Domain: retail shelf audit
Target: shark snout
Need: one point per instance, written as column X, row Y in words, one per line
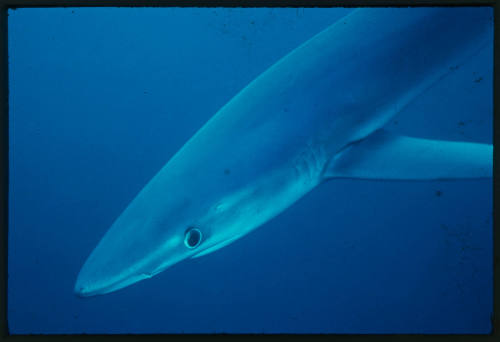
column 144, row 240
column 84, row 288
column 82, row 291
column 92, row 280
column 125, row 256
column 89, row 282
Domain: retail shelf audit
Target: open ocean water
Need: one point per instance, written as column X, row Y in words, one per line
column 100, row 99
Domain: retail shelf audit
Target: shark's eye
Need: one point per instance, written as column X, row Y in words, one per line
column 192, row 238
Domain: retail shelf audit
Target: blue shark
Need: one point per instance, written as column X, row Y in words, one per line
column 315, row 115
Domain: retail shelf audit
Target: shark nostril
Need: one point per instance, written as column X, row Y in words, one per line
column 80, row 291
column 192, row 237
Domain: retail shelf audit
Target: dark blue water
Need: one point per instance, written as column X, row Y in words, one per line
column 100, row 99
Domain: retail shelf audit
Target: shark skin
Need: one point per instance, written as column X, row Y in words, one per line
column 316, row 114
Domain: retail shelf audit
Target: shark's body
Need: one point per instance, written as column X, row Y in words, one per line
column 314, row 115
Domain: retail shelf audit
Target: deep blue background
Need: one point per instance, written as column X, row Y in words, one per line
column 100, row 99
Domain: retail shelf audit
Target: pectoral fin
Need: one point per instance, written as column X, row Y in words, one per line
column 386, row 156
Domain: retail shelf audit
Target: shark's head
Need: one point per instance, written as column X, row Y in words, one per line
column 161, row 228
column 140, row 245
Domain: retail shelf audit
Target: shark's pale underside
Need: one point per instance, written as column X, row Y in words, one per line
column 316, row 114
